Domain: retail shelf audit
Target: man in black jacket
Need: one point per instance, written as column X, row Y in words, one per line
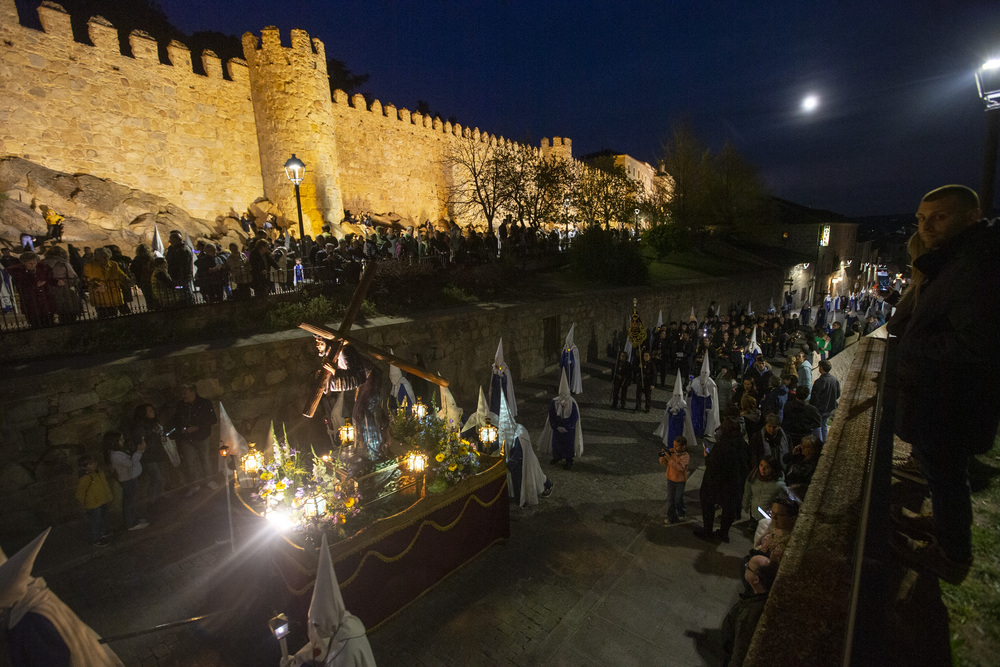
column 953, row 331
column 192, row 429
column 801, row 418
column 825, row 395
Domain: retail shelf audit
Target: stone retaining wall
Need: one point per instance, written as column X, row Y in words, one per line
column 58, row 408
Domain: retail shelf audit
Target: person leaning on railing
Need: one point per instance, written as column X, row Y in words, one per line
column 32, row 280
column 105, row 279
column 63, row 288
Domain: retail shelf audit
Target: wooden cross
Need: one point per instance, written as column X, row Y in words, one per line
column 340, row 339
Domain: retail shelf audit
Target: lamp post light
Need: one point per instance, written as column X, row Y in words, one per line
column 566, row 219
column 988, row 84
column 295, row 170
column 637, row 220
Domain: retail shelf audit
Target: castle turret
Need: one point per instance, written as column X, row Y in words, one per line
column 561, row 148
column 292, row 107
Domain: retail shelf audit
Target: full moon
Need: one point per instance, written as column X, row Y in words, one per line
column 810, row 103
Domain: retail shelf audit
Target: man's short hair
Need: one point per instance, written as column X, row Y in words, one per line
column 802, row 393
column 805, row 350
column 766, row 574
column 772, row 420
column 966, row 197
column 826, row 366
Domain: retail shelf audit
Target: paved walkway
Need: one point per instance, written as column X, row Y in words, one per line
column 590, row 576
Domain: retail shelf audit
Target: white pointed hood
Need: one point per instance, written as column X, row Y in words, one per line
column 753, row 346
column 706, row 369
column 659, row 320
column 478, row 418
column 770, row 308
column 15, row 573
column 450, row 412
column 677, row 401
column 569, row 337
column 507, row 428
column 749, row 308
column 693, row 318
column 563, row 396
column 327, row 610
column 498, row 357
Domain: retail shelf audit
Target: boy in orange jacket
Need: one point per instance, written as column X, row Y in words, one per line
column 676, row 460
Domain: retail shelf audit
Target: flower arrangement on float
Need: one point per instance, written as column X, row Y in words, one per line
column 299, row 496
column 449, row 457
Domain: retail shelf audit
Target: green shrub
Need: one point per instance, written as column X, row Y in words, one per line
column 667, row 238
column 597, row 255
column 318, row 310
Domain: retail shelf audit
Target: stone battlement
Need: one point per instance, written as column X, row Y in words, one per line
column 215, row 142
column 103, row 35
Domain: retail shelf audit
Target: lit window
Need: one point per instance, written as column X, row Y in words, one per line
column 825, row 239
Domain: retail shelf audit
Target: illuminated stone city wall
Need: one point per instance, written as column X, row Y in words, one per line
column 214, row 143
column 160, row 128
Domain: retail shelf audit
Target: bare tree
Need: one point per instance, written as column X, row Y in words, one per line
column 479, row 186
column 537, row 186
column 605, row 196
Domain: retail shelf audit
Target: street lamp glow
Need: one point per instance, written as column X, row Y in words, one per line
column 992, row 63
column 810, row 103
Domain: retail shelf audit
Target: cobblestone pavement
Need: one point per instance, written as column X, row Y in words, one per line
column 590, row 576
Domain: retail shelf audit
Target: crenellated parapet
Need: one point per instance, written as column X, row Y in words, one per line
column 290, row 91
column 214, row 136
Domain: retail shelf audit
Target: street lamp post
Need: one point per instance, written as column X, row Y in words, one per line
column 566, row 204
column 988, row 83
column 295, row 169
column 637, row 220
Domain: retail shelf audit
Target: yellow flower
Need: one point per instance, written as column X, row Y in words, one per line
column 440, row 457
column 463, row 451
column 349, row 503
column 280, row 486
column 265, row 476
column 452, row 466
column 339, row 518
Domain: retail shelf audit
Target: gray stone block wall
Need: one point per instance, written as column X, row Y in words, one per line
column 54, row 406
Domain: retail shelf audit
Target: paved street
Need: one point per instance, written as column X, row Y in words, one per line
column 590, row 576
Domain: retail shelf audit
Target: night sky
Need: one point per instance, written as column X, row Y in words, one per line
column 899, row 113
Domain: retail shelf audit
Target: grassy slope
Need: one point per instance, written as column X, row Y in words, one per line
column 974, row 607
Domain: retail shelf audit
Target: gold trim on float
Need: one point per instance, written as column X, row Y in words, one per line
column 390, row 559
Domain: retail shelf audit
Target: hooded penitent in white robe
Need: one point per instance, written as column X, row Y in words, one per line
column 336, row 637
column 501, row 384
column 525, row 479
column 569, row 362
column 676, row 418
column 450, row 413
column 752, row 350
column 37, row 620
column 703, row 397
column 562, row 436
column 401, row 394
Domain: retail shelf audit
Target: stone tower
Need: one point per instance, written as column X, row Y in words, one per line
column 290, row 90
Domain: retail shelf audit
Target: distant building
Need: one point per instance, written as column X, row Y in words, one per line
column 642, row 173
column 829, row 239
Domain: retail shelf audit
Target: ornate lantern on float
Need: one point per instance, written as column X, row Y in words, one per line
column 252, row 462
column 416, row 462
column 314, row 505
column 420, row 410
column 346, row 433
column 488, row 434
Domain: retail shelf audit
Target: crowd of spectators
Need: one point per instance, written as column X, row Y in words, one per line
column 760, row 460
column 48, row 283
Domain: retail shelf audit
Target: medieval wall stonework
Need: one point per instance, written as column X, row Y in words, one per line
column 160, row 128
column 213, row 143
